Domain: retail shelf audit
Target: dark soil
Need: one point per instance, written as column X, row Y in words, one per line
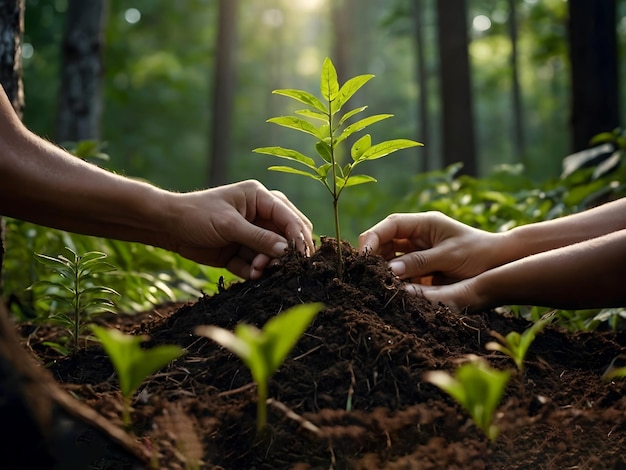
column 369, row 347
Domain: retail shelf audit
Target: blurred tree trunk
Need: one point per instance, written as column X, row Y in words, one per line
column 11, row 30
column 418, row 10
column 80, row 96
column 519, row 146
column 593, row 56
column 223, row 92
column 456, row 89
column 342, row 15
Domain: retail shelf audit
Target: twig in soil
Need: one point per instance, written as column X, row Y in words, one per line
column 472, row 328
column 289, row 413
column 234, row 391
column 310, row 351
column 391, row 298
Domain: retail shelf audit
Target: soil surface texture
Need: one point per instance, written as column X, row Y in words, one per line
column 351, row 394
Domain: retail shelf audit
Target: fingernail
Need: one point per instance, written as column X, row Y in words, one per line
column 280, row 248
column 397, row 267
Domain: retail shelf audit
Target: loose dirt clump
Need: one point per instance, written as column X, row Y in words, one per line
column 351, row 393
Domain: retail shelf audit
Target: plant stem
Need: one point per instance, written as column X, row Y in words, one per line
column 335, row 193
column 76, row 303
column 338, row 237
column 261, row 405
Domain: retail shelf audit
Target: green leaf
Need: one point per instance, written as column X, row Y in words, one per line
column 360, row 146
column 303, row 97
column 298, row 124
column 477, row 387
column 312, row 114
column 329, row 86
column 349, row 114
column 324, row 169
column 324, row 151
column 289, row 154
column 360, row 125
column 350, row 88
column 285, row 329
column 354, row 180
column 385, row 148
column 133, row 363
column 293, row 171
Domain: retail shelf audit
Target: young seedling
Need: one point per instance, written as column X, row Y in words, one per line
column 516, row 345
column 263, row 351
column 77, row 288
column 131, row 362
column 329, row 130
column 477, row 387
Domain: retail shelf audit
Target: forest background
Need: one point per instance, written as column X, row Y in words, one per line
column 161, row 119
column 499, row 91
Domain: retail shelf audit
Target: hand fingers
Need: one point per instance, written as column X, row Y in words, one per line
column 412, row 227
column 307, row 234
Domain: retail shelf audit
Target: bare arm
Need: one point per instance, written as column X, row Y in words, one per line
column 589, row 274
column 239, row 226
column 423, row 244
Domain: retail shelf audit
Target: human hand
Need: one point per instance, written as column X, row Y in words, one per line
column 240, row 226
column 431, row 245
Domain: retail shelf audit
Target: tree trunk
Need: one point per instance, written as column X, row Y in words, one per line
column 422, row 82
column 223, row 92
column 343, row 33
column 11, row 30
column 593, row 55
column 80, row 96
column 456, row 90
column 519, row 148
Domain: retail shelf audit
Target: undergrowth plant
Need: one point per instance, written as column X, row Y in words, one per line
column 76, row 290
column 477, row 387
column 516, row 345
column 323, row 121
column 264, row 350
column 132, row 363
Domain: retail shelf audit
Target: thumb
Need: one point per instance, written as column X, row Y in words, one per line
column 417, row 264
column 260, row 240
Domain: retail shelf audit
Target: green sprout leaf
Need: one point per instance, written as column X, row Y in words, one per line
column 350, row 88
column 515, row 345
column 385, row 148
column 288, row 154
column 131, row 362
column 477, row 387
column 329, row 86
column 263, row 351
column 304, row 97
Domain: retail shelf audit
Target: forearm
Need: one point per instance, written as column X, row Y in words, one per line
column 77, row 196
column 589, row 274
column 543, row 236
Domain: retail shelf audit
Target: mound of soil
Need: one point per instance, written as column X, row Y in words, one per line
column 351, row 394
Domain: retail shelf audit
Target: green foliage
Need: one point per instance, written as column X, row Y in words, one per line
column 515, row 345
column 263, row 351
column 132, row 363
column 330, row 129
column 477, row 387
column 146, row 275
column 76, row 288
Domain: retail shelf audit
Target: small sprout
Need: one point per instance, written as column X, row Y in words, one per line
column 323, row 122
column 263, row 351
column 77, row 288
column 515, row 345
column 132, row 363
column 616, row 369
column 477, row 387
